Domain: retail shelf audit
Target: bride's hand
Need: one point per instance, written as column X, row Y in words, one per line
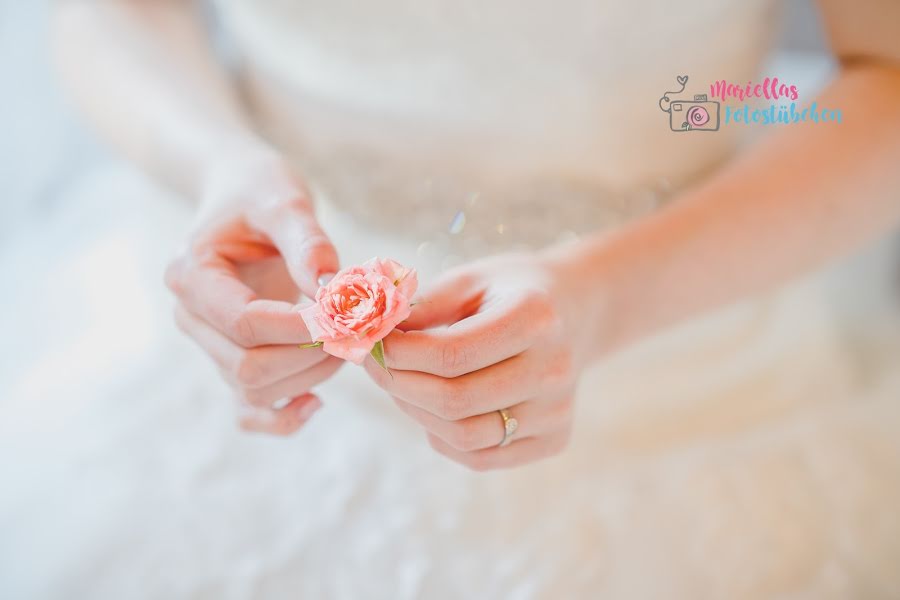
column 256, row 245
column 516, row 340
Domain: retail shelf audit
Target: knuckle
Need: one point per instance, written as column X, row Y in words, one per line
column 253, row 397
column 298, row 203
column 453, row 401
column 315, row 244
column 250, row 370
column 240, row 329
column 452, row 359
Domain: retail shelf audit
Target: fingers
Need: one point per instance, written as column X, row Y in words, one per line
column 210, row 289
column 265, row 376
column 453, row 399
column 451, row 299
column 296, row 233
column 499, row 331
column 283, row 421
column 253, row 367
column 534, row 417
column 504, row 384
column 267, row 396
column 515, row 454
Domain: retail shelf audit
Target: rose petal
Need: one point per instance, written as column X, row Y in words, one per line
column 349, row 349
column 409, row 284
column 360, row 306
column 310, row 316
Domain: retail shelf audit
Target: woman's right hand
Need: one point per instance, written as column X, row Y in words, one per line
column 256, row 246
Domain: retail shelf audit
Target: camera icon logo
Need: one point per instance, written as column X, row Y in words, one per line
column 699, row 114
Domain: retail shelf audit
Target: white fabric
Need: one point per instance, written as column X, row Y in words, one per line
column 749, row 454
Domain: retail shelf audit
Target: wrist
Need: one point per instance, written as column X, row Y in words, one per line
column 251, row 173
column 600, row 289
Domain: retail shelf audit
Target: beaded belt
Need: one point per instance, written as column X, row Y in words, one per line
column 466, row 216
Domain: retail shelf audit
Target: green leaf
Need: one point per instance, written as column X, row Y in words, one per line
column 311, row 345
column 378, row 354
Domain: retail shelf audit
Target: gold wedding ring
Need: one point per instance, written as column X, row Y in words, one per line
column 510, row 424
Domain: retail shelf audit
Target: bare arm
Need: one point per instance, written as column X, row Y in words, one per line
column 145, row 75
column 805, row 194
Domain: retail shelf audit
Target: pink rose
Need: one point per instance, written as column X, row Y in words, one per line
column 359, row 307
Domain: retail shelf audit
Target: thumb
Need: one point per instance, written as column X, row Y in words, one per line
column 450, row 299
column 308, row 253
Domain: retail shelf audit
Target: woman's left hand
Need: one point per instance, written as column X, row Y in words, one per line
column 513, row 340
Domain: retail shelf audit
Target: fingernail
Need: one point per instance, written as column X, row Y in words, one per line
column 324, row 278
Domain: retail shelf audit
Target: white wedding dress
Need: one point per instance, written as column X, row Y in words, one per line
column 753, row 453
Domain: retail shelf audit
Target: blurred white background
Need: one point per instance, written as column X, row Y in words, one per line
column 83, row 302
